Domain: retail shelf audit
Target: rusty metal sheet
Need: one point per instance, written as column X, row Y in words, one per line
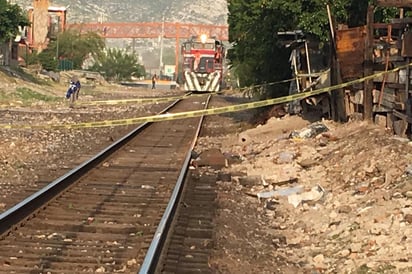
column 350, row 46
column 394, row 3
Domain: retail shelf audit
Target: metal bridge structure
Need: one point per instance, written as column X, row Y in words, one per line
column 168, row 30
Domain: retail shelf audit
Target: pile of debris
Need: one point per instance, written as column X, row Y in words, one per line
column 333, row 198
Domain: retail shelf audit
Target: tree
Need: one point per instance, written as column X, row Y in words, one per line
column 74, row 46
column 119, row 65
column 257, row 56
column 11, row 17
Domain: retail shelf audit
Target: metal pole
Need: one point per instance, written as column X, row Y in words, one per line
column 308, row 64
column 332, row 31
column 161, row 46
column 295, row 68
column 177, row 51
column 57, row 51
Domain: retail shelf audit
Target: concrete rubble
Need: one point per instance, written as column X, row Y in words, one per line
column 337, row 200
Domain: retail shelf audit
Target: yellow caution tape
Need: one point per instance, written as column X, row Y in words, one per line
column 197, row 113
column 269, row 84
column 164, row 99
column 134, row 100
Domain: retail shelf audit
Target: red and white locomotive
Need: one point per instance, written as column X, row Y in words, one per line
column 203, row 64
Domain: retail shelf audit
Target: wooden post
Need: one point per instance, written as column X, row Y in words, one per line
column 338, row 108
column 368, row 69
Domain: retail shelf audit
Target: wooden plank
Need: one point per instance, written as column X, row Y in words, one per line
column 387, row 104
column 350, row 45
column 385, row 96
column 381, row 108
column 394, row 3
column 395, row 25
column 395, row 85
column 399, row 106
column 391, row 77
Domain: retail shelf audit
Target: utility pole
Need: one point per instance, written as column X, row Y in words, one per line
column 161, row 46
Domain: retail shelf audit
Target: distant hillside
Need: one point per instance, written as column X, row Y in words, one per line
column 187, row 11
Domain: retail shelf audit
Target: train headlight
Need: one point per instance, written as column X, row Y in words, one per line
column 203, row 38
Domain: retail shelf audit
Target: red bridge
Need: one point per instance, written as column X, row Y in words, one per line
column 37, row 39
column 152, row 30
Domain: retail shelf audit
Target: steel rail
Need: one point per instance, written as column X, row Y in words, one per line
column 152, row 256
column 27, row 208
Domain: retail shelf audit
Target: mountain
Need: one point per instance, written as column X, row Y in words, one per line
column 185, row 11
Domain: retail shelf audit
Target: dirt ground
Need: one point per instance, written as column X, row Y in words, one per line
column 302, row 197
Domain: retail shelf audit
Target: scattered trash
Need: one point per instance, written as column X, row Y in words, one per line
column 147, row 187
column 264, row 183
column 362, row 210
column 279, row 192
column 408, row 170
column 286, row 157
column 315, row 194
column 310, row 131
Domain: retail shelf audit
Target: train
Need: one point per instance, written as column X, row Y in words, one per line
column 203, row 64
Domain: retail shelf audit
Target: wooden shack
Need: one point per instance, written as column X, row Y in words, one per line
column 377, row 49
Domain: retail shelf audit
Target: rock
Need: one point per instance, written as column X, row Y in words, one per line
column 279, row 240
column 344, row 209
column 213, row 158
column 355, row 247
column 306, row 163
column 101, row 270
column 319, row 262
column 131, row 262
column 333, row 215
column 408, row 218
column 233, row 159
column 271, row 204
column 286, row 157
column 323, row 142
column 252, row 180
column 344, row 253
column 224, row 177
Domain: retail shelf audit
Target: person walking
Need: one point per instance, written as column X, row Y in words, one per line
column 78, row 87
column 154, row 79
column 73, row 92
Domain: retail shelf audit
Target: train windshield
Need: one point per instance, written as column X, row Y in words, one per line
column 203, row 45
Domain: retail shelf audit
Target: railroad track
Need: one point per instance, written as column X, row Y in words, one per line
column 103, row 215
column 191, row 237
